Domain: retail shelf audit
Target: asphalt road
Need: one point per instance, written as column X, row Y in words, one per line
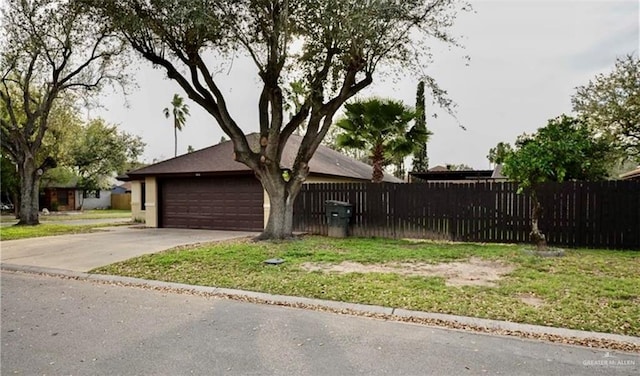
column 57, row 326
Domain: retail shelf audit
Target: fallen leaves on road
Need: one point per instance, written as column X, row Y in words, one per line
column 554, row 338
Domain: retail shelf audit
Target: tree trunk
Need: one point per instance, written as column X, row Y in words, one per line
column 29, row 192
column 536, row 235
column 281, row 198
column 377, row 158
column 16, row 205
column 400, row 171
column 175, row 141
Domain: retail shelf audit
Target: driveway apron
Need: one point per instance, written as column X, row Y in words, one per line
column 83, row 252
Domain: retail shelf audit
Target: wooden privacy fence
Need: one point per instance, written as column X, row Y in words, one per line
column 121, row 201
column 580, row 214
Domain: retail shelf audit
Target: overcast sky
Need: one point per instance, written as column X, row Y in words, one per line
column 527, row 57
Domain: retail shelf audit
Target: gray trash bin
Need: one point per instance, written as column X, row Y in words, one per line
column 338, row 217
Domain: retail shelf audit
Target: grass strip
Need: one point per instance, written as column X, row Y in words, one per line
column 46, row 229
column 595, row 290
column 87, row 214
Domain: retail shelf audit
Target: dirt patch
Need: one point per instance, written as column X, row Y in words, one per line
column 473, row 272
column 531, row 300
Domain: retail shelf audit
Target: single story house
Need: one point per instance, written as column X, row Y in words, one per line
column 57, row 197
column 67, row 197
column 208, row 189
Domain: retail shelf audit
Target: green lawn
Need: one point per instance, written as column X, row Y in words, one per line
column 87, row 214
column 596, row 290
column 46, row 229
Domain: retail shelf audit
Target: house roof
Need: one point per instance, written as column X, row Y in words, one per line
column 438, row 168
column 218, row 159
column 442, row 173
column 126, row 186
column 497, row 172
column 631, row 175
column 454, row 175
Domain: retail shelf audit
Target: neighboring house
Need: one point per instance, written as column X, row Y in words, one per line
column 94, row 199
column 207, row 189
column 441, row 174
column 631, row 175
column 60, row 197
column 122, row 188
column 438, row 168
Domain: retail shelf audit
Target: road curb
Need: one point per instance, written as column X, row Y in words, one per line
column 568, row 336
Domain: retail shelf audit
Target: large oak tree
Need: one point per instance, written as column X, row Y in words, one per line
column 332, row 47
column 49, row 50
column 610, row 104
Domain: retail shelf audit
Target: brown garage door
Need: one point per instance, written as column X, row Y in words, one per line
column 221, row 203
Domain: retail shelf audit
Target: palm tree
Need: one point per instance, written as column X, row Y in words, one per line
column 380, row 126
column 180, row 111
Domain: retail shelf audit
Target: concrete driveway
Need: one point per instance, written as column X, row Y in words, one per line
column 84, row 252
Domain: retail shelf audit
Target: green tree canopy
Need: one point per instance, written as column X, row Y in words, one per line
column 60, row 176
column 497, row 155
column 420, row 156
column 565, row 149
column 64, row 125
column 610, row 104
column 9, row 181
column 380, row 126
column 48, row 49
column 101, row 151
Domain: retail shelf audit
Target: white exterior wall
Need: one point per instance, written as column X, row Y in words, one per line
column 137, row 214
column 150, row 214
column 104, row 202
column 151, row 195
